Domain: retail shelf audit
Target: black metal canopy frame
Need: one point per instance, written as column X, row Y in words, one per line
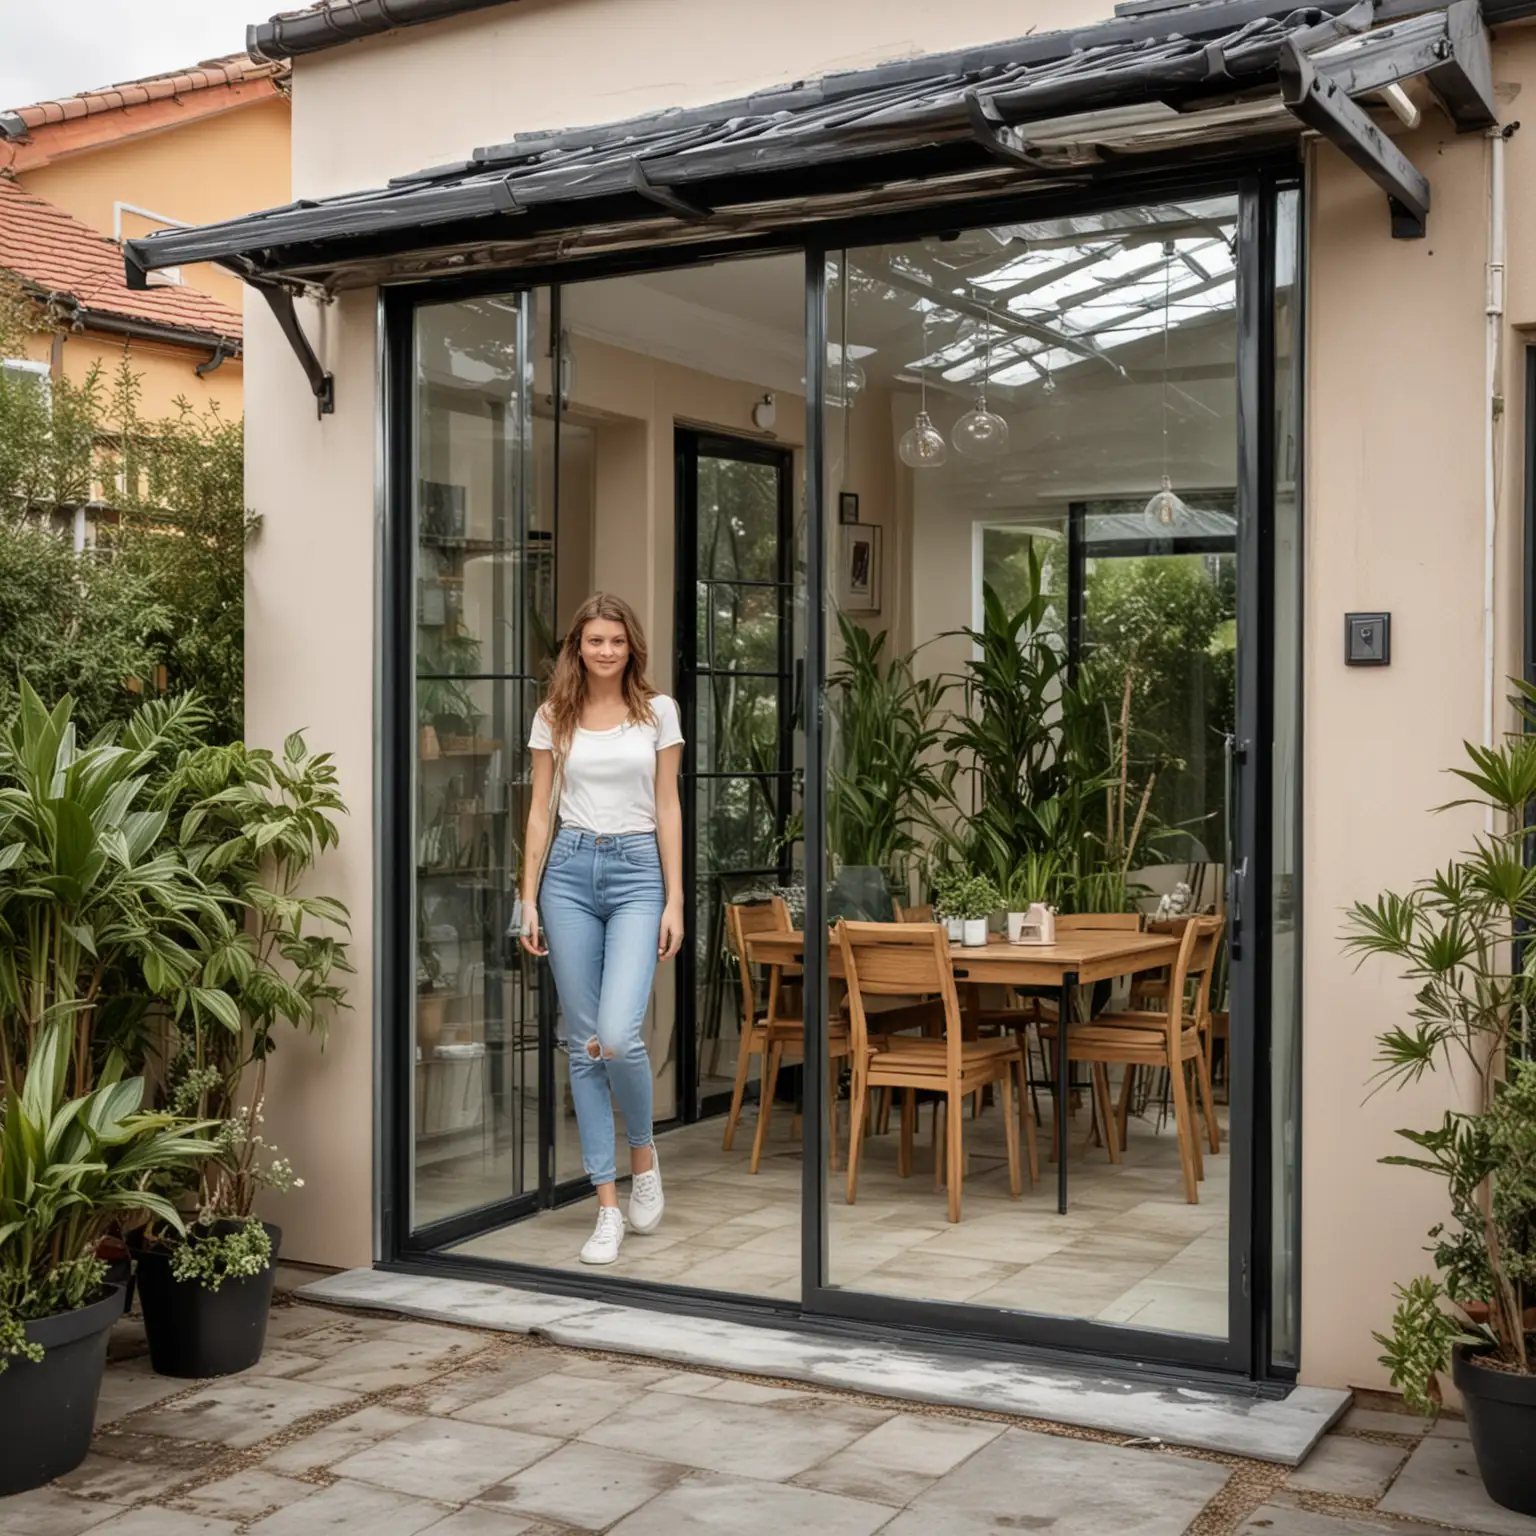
column 1055, row 110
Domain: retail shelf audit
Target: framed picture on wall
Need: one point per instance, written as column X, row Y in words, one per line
column 847, row 506
column 860, row 568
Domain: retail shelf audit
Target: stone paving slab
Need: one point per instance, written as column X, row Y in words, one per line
column 1283, row 1520
column 1067, row 1487
column 1236, row 1422
column 452, row 1444
column 1350, row 1468
column 1440, row 1483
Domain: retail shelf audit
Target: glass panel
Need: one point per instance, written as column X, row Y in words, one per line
column 738, row 520
column 474, row 1041
column 739, row 626
column 1285, row 913
column 1031, row 684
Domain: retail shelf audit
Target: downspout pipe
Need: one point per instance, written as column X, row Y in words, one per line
column 1493, row 410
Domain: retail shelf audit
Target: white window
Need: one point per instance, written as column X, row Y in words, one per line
column 22, row 367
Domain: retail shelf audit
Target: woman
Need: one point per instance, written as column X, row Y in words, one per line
column 606, row 750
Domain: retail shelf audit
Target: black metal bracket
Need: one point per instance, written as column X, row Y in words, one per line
column 987, row 129
column 1323, row 105
column 280, row 302
column 665, row 197
column 1448, row 49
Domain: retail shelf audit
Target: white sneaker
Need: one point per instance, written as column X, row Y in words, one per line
column 646, row 1201
column 603, row 1246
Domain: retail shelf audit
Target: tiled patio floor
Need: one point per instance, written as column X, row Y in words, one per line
column 1130, row 1250
column 362, row 1425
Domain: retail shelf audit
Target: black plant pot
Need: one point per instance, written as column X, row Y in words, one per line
column 193, row 1331
column 48, row 1407
column 1501, row 1415
column 120, row 1272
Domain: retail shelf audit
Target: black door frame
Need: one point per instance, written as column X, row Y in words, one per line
column 1243, row 1355
column 690, row 444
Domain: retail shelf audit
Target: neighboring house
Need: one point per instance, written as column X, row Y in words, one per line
column 187, row 147
column 725, row 354
column 183, row 341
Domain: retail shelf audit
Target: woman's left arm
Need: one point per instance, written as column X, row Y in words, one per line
column 669, row 839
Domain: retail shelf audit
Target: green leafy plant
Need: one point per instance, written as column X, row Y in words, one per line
column 71, row 1169
column 887, row 775
column 974, row 899
column 155, row 604
column 1454, row 935
column 1038, row 877
column 252, row 824
column 100, row 915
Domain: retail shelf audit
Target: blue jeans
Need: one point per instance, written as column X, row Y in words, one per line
column 600, row 907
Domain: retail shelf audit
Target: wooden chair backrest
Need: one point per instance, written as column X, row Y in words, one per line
column 898, row 960
column 920, row 914
column 743, row 919
column 1203, row 960
column 1178, row 977
column 1079, row 922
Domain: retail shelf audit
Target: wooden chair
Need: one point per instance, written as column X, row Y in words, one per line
column 919, row 914
column 770, row 1033
column 902, row 960
column 1149, row 994
column 1169, row 1040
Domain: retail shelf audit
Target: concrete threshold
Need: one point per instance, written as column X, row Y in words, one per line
column 1203, row 1417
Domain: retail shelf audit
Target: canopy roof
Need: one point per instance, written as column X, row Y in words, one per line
column 1047, row 111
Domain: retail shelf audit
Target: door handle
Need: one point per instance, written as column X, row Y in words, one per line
column 1237, row 869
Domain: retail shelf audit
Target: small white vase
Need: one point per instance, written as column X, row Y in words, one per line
column 1015, row 923
column 975, row 935
column 955, row 929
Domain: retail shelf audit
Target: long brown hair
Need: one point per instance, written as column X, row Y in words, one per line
column 568, row 683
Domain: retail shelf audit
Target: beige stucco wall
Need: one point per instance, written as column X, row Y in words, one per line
column 478, row 79
column 1393, row 520
column 309, row 660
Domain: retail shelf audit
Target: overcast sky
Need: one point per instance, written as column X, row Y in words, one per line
column 77, row 45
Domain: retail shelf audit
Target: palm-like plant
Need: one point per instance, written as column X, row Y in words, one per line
column 71, row 1168
column 1455, row 936
column 93, row 902
column 887, row 775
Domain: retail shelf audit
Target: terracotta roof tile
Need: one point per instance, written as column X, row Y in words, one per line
column 53, row 252
column 237, row 69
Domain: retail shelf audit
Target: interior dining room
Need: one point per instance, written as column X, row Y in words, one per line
column 997, row 706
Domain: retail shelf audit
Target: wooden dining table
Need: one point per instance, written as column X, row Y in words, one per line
column 1076, row 959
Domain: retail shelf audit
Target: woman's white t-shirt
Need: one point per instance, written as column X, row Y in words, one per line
column 609, row 782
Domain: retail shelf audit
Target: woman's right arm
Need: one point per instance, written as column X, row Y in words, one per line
column 535, row 841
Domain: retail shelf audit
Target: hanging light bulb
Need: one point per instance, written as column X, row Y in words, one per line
column 1048, row 387
column 922, row 444
column 1166, row 511
column 980, row 433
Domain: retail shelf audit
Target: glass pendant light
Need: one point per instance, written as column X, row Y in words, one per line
column 922, row 444
column 845, row 378
column 1166, row 511
column 980, row 433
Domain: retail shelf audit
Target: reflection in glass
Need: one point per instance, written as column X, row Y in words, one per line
column 480, row 573
column 1052, row 681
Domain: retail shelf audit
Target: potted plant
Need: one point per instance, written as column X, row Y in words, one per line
column 253, row 824
column 974, row 903
column 1453, row 934
column 1031, row 898
column 946, row 894
column 884, row 779
column 70, row 1168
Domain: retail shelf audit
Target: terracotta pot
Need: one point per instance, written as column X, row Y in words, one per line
column 428, row 747
column 1478, row 1312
